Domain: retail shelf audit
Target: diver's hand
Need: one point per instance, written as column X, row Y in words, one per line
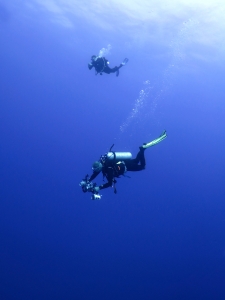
column 96, row 189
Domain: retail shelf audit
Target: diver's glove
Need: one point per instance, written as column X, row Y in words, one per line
column 90, row 66
column 96, row 189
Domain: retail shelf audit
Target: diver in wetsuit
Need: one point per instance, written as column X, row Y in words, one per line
column 101, row 65
column 115, row 164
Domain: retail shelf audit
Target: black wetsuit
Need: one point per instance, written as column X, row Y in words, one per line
column 101, row 65
column 112, row 170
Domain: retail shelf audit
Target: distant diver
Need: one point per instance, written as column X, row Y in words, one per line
column 101, row 65
column 113, row 165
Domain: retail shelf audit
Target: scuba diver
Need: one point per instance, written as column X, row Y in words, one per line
column 101, row 65
column 113, row 165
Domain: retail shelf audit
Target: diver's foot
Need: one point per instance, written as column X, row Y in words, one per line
column 154, row 142
column 142, row 148
column 163, row 134
column 125, row 61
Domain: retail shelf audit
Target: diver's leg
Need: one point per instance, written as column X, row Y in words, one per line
column 134, row 167
column 109, row 70
column 141, row 157
column 133, row 164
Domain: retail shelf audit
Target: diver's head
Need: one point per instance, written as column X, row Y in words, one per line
column 97, row 166
column 93, row 58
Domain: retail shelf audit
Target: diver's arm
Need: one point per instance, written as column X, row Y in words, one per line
column 90, row 66
column 109, row 178
column 93, row 176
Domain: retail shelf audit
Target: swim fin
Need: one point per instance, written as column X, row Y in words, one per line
column 125, row 61
column 156, row 141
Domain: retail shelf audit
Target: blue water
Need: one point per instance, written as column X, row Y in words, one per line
column 162, row 235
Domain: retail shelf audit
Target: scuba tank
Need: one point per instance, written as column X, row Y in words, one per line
column 117, row 156
column 114, row 157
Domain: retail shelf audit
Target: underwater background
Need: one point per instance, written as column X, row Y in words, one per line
column 162, row 236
